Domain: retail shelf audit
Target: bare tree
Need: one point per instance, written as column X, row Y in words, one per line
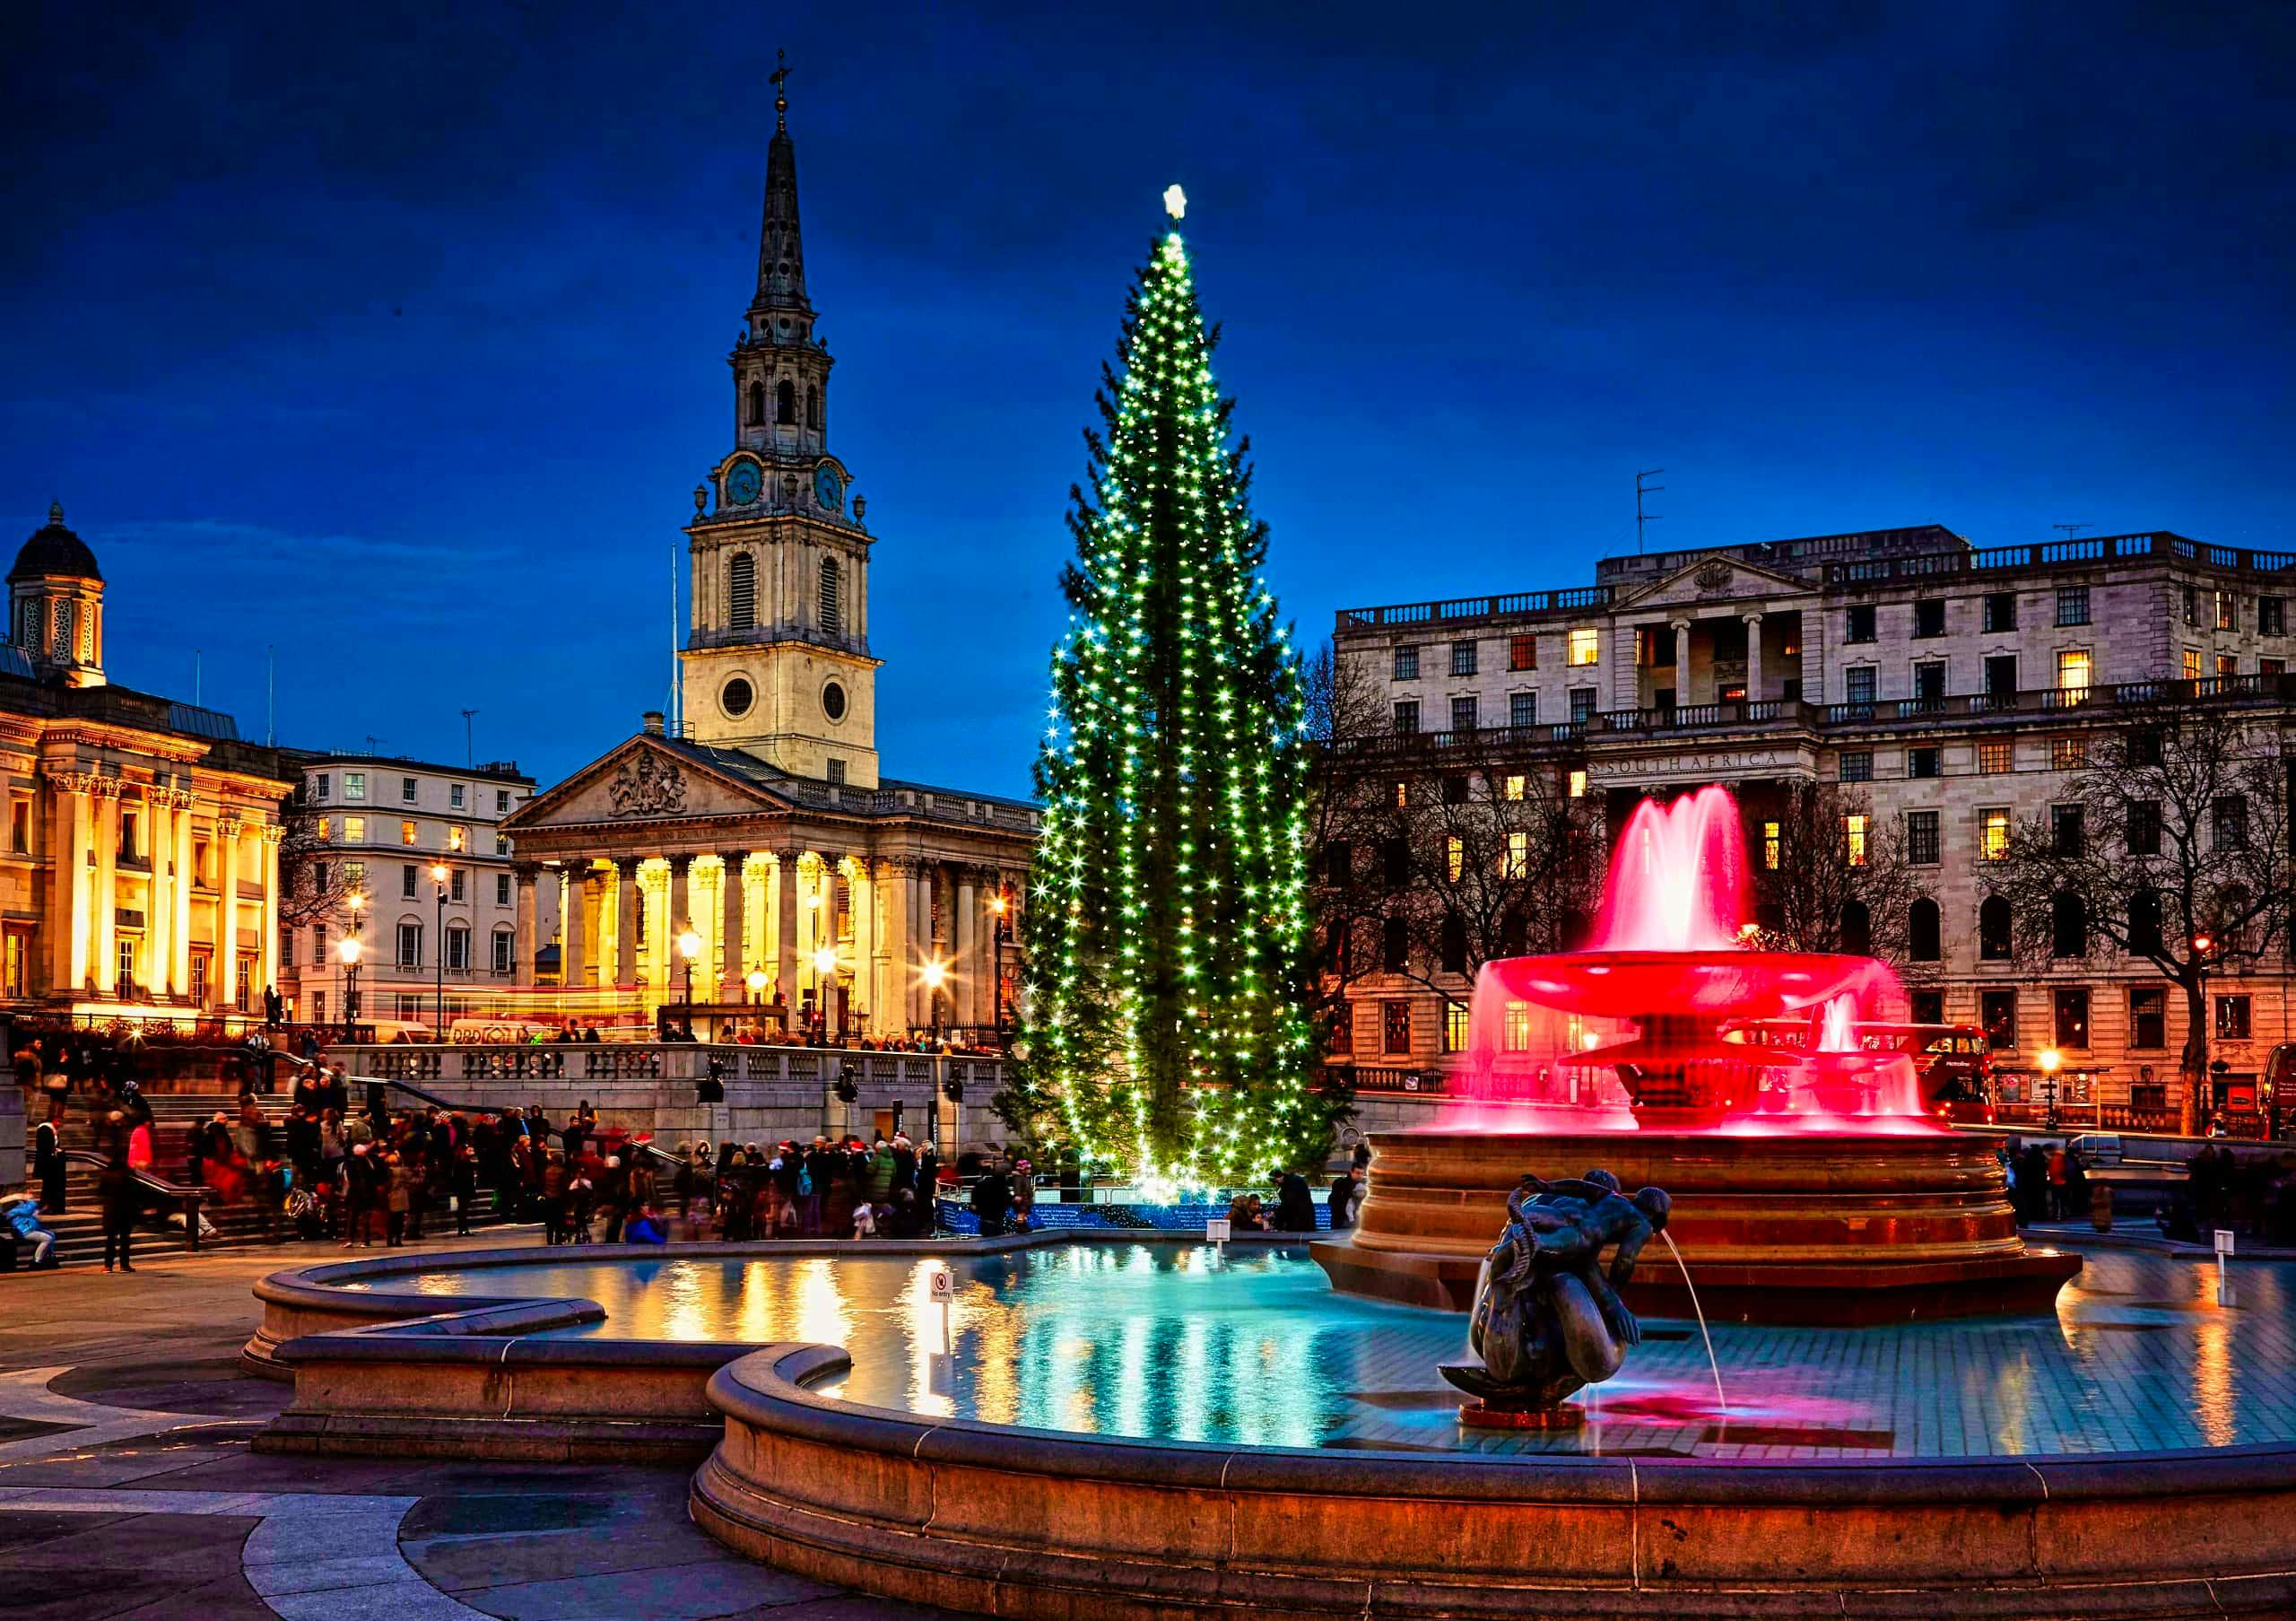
column 314, row 880
column 1835, row 876
column 2171, row 843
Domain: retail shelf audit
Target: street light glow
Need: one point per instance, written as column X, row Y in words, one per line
column 825, row 960
column 756, row 981
column 689, row 946
column 935, row 975
column 2048, row 1058
column 438, row 872
column 347, row 948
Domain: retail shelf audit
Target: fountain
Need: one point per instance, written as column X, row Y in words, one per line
column 1764, row 1090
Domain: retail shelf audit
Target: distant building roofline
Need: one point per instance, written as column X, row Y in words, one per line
column 492, row 771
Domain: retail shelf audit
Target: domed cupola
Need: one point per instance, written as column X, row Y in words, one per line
column 55, row 594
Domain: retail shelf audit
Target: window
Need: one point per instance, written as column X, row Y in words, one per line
column 455, row 885
column 1929, row 681
column 2231, row 1014
column 2229, row 820
column 355, row 876
column 502, row 890
column 457, row 948
column 1857, row 765
column 2071, row 605
column 503, row 949
column 1394, row 1028
column 813, row 406
column 785, row 403
column 1582, row 705
column 2073, row 673
column 1395, row 863
column 1522, row 708
column 2226, row 666
column 1993, row 834
column 1853, row 837
column 501, row 801
column 407, row 880
column 1861, row 684
column 2143, row 922
column 1996, row 1014
column 1515, row 789
column 410, row 944
column 200, row 960
column 1921, row 838
column 1924, row 933
column 354, row 830
column 319, row 943
column 454, row 796
column 2068, row 830
column 2143, row 837
column 1455, row 1027
column 2145, row 747
column 2148, row 1019
column 2001, row 679
column 1455, row 858
column 2068, row 753
column 2191, row 665
column 407, row 789
column 1861, row 622
column 1451, row 943
column 1457, row 789
column 1773, row 845
column 2271, row 616
column 1928, row 1007
column 326, row 829
column 2272, row 666
column 836, row 769
column 2068, row 926
column 2001, row 610
column 1929, row 616
column 354, row 785
column 1995, row 757
column 2228, row 611
column 1463, row 714
column 457, row 838
column 1518, row 856
column 2192, row 606
column 2072, row 1020
column 741, row 592
column 1463, row 658
column 1924, row 763
column 408, row 833
column 756, row 399
column 1406, row 664
column 1576, row 784
column 1406, row 717
column 1522, row 652
column 1394, row 946
column 1586, row 645
column 323, row 781
column 319, row 877
column 1857, row 929
column 833, row 597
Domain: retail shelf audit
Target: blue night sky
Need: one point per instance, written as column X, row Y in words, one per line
column 395, row 336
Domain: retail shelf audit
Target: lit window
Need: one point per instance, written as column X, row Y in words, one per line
column 2192, row 663
column 1403, row 796
column 1455, row 1027
column 406, row 832
column 1995, row 757
column 1773, row 845
column 457, row 838
column 2068, row 753
column 2226, row 665
column 1993, row 834
column 1523, row 653
column 354, row 830
column 2073, row 671
column 1518, row 1035
column 1853, row 835
column 1455, row 856
column 354, row 785
column 2228, row 611
column 1578, row 785
column 327, row 829
column 1585, row 645
column 1515, row 788
column 1518, row 855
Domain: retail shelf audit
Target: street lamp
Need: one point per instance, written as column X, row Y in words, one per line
column 439, row 878
column 935, row 975
column 756, row 982
column 1000, row 936
column 2048, row 1058
column 824, row 983
column 348, row 948
column 689, row 947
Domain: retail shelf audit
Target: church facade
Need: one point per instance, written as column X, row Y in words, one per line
column 754, row 856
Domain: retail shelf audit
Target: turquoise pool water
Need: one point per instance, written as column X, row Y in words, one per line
column 1254, row 1347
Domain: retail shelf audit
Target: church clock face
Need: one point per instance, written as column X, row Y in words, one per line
column 742, row 482
column 828, row 489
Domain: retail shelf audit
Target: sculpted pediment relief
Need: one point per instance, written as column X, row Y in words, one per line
column 1714, row 580
column 639, row 783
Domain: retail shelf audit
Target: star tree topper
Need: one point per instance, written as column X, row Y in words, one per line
column 1175, row 201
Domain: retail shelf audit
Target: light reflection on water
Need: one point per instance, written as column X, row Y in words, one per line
column 1175, row 1342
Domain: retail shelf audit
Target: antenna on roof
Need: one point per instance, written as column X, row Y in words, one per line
column 373, row 740
column 2070, row 530
column 1640, row 516
column 195, row 674
column 470, row 755
column 270, row 694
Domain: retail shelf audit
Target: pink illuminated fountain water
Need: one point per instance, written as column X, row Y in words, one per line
column 1672, row 1019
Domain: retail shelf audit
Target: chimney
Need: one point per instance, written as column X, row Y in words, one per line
column 653, row 723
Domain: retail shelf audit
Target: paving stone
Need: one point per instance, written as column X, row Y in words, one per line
column 457, row 1562
column 674, row 1592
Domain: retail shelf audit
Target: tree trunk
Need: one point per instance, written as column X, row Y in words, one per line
column 2195, row 1063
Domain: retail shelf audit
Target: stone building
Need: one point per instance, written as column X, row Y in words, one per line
column 759, row 832
column 1954, row 685
column 376, row 831
column 140, row 873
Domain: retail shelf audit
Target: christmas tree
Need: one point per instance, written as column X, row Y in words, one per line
column 1167, row 933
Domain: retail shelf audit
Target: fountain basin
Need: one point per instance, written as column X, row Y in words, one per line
column 1807, row 1227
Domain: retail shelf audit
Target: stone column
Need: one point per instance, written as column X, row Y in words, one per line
column 967, row 931
column 888, row 1002
column 1813, row 656
column 677, row 908
column 267, row 962
column 103, row 901
column 226, row 988
column 523, row 874
column 67, row 855
column 625, row 921
column 1681, row 662
column 179, row 934
column 785, row 907
column 159, row 909
column 733, row 925
column 1754, row 657
column 864, row 942
column 573, row 962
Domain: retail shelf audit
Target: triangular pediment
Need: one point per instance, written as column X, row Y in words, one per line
column 646, row 780
column 1715, row 579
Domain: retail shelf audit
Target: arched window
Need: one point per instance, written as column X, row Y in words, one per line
column 1455, row 943
column 1924, row 932
column 785, row 403
column 1993, row 929
column 813, row 407
column 1513, row 934
column 833, row 598
column 2143, row 921
column 757, row 405
column 1857, row 929
column 741, row 592
column 1394, row 946
column 2068, row 926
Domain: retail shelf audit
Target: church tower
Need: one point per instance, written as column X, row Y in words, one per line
column 776, row 659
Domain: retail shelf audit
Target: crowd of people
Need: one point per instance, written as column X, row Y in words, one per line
column 884, row 1188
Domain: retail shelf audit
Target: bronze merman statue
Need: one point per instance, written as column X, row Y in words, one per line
column 1547, row 1317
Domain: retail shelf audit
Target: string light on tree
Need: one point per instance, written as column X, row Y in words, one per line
column 1166, row 1023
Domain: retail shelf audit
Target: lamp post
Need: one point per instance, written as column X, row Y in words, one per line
column 999, row 936
column 2048, row 1058
column 438, row 1015
column 2202, row 946
column 689, row 947
column 756, row 981
column 935, row 975
column 348, row 949
column 824, row 986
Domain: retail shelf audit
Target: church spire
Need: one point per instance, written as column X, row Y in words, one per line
column 781, row 252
